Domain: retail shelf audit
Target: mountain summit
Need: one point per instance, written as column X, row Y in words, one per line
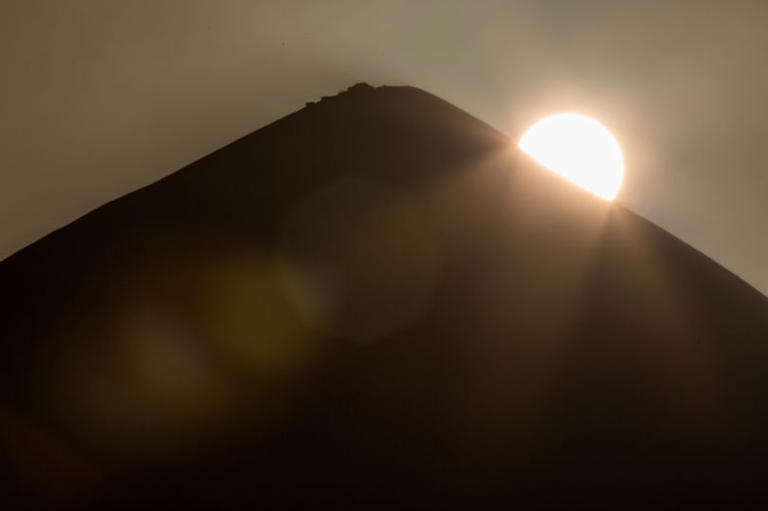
column 377, row 301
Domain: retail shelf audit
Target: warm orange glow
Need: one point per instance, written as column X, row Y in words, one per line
column 578, row 148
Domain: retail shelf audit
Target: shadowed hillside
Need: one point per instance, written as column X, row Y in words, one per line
column 377, row 300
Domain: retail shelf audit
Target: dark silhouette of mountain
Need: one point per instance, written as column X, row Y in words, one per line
column 377, row 301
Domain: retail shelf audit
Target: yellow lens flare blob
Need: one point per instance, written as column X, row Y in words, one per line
column 578, row 148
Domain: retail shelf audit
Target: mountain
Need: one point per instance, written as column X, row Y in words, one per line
column 377, row 301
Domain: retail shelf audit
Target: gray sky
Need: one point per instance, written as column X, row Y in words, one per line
column 99, row 97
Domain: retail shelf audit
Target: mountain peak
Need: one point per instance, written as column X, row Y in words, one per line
column 362, row 303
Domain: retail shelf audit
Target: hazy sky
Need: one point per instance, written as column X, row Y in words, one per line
column 99, row 97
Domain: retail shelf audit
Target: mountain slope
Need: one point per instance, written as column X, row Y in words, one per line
column 377, row 300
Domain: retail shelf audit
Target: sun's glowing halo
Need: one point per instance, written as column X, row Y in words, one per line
column 579, row 149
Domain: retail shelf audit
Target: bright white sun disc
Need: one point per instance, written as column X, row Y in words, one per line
column 579, row 149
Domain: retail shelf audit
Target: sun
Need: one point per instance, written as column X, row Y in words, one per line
column 579, row 149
